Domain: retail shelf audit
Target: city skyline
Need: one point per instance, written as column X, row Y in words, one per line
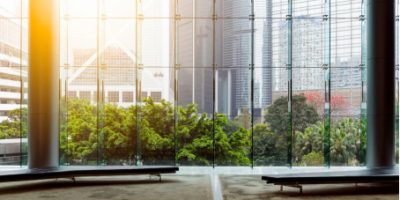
column 195, row 54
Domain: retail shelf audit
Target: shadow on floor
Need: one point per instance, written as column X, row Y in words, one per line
column 252, row 187
column 341, row 190
column 35, row 186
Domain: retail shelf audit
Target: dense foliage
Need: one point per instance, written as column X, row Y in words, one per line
column 108, row 134
column 116, row 140
column 16, row 126
column 303, row 114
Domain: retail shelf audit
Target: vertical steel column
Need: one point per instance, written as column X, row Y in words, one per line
column 99, row 88
column 44, row 76
column 176, row 18
column 214, row 67
column 289, row 20
column 381, row 82
column 21, row 96
column 363, row 117
column 64, row 80
column 252, row 20
column 327, row 70
column 139, row 67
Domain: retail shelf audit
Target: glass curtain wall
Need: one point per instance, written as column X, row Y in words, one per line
column 214, row 83
column 13, row 83
column 205, row 83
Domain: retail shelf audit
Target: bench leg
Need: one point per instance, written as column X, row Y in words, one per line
column 156, row 175
column 300, row 187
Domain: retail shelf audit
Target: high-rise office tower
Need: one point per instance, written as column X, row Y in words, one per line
column 266, row 67
column 310, row 38
column 195, row 55
column 236, row 56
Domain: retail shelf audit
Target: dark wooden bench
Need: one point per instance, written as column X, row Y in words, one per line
column 297, row 180
column 80, row 171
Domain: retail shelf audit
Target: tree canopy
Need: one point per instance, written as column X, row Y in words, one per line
column 303, row 114
column 153, row 133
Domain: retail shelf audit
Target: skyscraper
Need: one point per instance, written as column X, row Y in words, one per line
column 266, row 79
column 195, row 55
column 309, row 48
column 236, row 57
column 236, row 53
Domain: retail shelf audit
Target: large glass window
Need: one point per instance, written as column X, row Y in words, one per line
column 208, row 83
column 13, row 82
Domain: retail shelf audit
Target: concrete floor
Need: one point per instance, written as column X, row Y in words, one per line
column 182, row 186
column 196, row 187
column 251, row 187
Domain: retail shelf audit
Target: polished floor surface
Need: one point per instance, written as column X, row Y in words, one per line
column 180, row 186
column 249, row 187
column 193, row 183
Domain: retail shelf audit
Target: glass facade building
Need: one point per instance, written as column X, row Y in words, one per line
column 207, row 83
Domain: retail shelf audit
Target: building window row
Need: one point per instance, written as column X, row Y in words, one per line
column 114, row 96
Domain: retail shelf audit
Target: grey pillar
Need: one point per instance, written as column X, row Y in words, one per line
column 381, row 83
column 43, row 85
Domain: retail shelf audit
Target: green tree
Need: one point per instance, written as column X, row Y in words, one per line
column 244, row 119
column 303, row 114
column 196, row 145
column 109, row 134
column 116, row 135
column 232, row 148
column 313, row 159
column 269, row 147
column 348, row 142
column 156, row 128
column 310, row 140
column 79, row 136
column 16, row 126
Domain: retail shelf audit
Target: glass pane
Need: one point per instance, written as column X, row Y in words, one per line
column 155, row 47
column 270, row 137
column 233, row 85
column 155, row 9
column 195, row 92
column 13, row 87
column 346, row 42
column 11, row 9
column 310, row 9
column 79, row 137
column 308, row 103
column 78, row 43
column 308, row 89
column 157, row 119
column 195, row 9
column 119, row 8
column 79, row 8
column 240, row 9
column 156, row 109
column 10, row 46
column 117, row 78
column 195, row 124
column 348, row 126
column 118, row 112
